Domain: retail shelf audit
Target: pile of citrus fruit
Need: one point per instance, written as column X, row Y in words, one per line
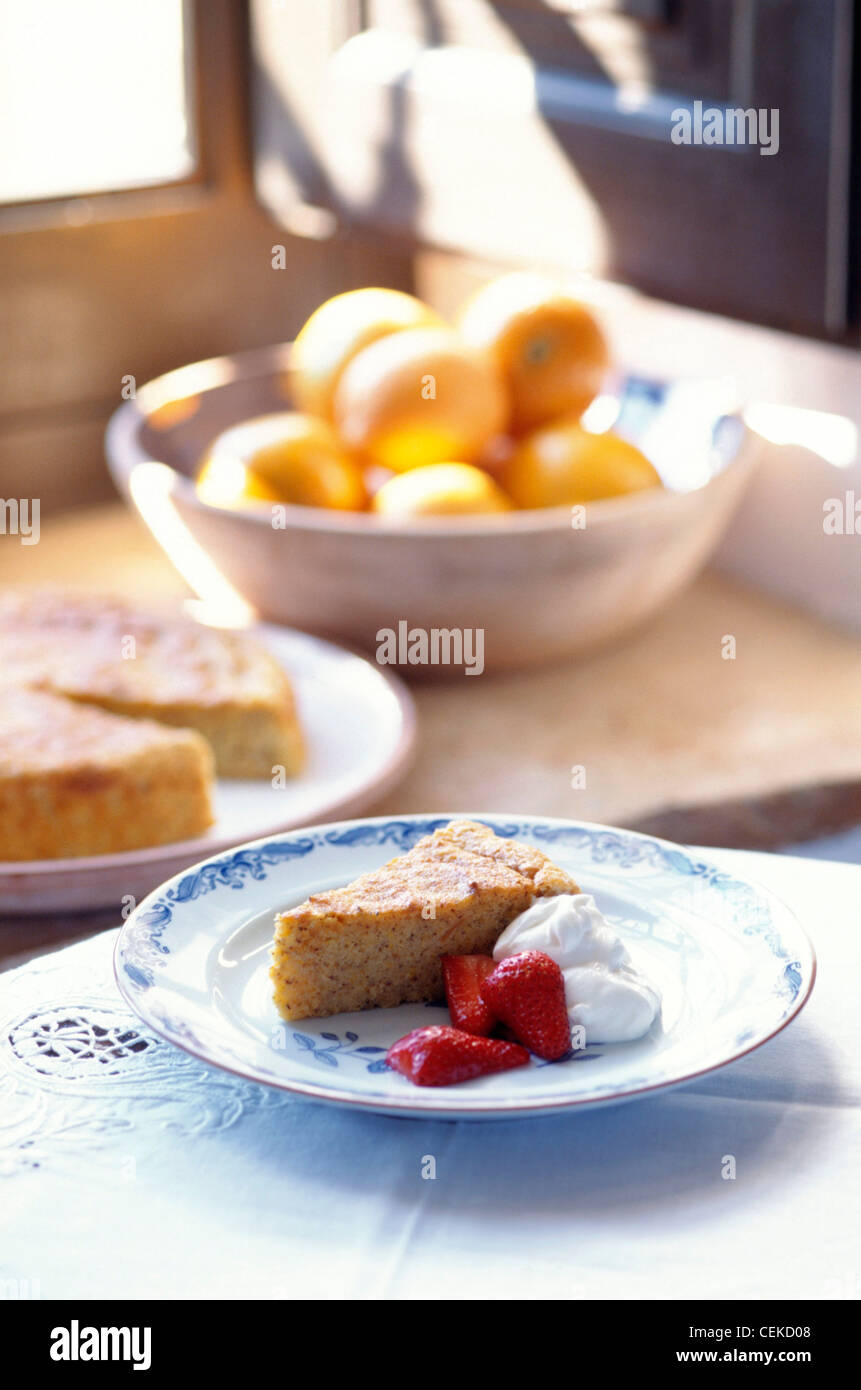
column 404, row 415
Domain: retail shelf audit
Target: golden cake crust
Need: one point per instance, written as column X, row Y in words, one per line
column 378, row 942
column 79, row 781
column 108, row 653
column 459, row 835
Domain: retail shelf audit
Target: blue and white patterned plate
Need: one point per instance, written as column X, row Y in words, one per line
column 731, row 960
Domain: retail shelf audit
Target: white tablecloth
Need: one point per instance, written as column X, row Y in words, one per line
column 131, row 1170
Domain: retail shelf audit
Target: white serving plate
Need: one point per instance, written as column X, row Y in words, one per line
column 731, row 960
column 359, row 726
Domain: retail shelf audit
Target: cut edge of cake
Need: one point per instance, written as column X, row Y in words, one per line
column 223, row 683
column 378, row 942
column 77, row 781
column 251, row 742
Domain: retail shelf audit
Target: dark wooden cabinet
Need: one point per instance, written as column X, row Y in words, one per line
column 541, row 131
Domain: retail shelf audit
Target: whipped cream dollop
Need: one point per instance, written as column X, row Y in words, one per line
column 604, row 993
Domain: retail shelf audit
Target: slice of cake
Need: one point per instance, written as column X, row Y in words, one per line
column 105, row 652
column 378, row 942
column 77, row 781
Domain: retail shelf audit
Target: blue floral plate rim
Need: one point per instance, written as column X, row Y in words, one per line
column 141, row 956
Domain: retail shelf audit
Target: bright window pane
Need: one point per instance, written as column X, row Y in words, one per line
column 93, row 96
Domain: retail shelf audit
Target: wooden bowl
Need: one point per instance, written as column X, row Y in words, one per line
column 538, row 587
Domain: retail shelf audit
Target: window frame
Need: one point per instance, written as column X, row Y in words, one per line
column 132, row 283
column 768, row 256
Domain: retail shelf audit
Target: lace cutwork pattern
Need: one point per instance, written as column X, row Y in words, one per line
column 77, row 1070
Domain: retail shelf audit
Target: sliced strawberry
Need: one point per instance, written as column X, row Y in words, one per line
column 440, row 1056
column 527, row 991
column 464, row 976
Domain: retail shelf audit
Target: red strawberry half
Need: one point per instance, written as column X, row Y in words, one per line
column 464, row 976
column 527, row 992
column 440, row 1056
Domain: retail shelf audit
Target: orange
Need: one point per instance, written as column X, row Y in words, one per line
column 228, row 483
column 563, row 464
column 340, row 328
column 419, row 397
column 374, row 476
column 440, row 489
column 286, row 457
column 546, row 345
